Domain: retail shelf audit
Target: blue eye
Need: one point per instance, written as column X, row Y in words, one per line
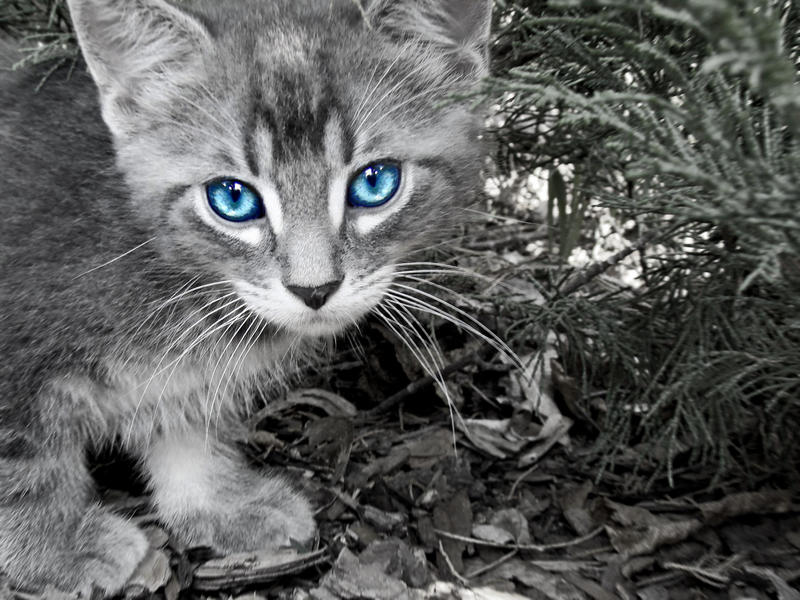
column 234, row 201
column 374, row 186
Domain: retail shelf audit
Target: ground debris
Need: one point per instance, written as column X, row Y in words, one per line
column 490, row 498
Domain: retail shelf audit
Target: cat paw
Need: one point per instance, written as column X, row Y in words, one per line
column 108, row 550
column 270, row 517
column 98, row 550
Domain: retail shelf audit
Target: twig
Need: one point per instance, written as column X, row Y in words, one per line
column 492, row 565
column 415, row 386
column 587, row 274
column 450, row 566
column 529, row 547
column 706, row 576
column 516, row 238
column 519, row 479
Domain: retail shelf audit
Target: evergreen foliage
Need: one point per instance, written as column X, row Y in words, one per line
column 681, row 119
column 44, row 28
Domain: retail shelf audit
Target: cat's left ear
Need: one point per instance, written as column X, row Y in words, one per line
column 459, row 27
column 137, row 51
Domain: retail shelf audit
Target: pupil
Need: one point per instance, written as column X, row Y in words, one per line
column 236, row 192
column 372, row 177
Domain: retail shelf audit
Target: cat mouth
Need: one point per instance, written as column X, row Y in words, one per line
column 284, row 310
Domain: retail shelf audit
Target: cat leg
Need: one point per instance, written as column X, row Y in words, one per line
column 52, row 531
column 208, row 496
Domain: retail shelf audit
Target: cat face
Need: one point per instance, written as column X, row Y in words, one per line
column 298, row 150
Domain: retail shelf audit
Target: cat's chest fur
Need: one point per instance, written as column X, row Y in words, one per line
column 134, row 402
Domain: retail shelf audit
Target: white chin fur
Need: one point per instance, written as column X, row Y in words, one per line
column 346, row 306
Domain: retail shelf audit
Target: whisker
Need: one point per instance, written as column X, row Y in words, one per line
column 209, row 406
column 210, row 398
column 157, row 370
column 234, row 374
column 413, row 347
column 471, row 324
column 209, row 331
column 113, row 260
column 179, row 295
column 434, row 372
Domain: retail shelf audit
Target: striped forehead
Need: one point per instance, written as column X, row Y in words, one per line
column 290, row 115
column 308, row 175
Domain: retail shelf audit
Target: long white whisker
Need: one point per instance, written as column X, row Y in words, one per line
column 209, row 409
column 113, row 260
column 209, row 331
column 426, row 339
column 397, row 327
column 234, row 374
column 209, row 397
column 157, row 370
column 471, row 324
column 434, row 372
column 172, row 300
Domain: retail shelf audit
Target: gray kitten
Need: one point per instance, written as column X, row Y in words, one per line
column 260, row 170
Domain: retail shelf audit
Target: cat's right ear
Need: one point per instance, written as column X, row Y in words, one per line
column 461, row 28
column 136, row 51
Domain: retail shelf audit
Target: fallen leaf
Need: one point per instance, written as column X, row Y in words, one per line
column 634, row 541
column 151, row 575
column 428, row 450
column 453, row 515
column 352, row 579
column 442, row 589
column 396, row 558
column 514, row 522
column 555, row 431
column 493, row 436
column 238, row 570
column 550, row 585
column 491, row 533
column 746, row 503
column 573, row 507
column 784, row 590
column 382, row 520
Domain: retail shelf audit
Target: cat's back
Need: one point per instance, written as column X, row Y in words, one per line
column 53, row 148
column 57, row 171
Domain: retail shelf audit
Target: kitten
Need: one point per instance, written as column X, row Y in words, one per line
column 260, row 170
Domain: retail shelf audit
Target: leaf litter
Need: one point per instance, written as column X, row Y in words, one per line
column 489, row 498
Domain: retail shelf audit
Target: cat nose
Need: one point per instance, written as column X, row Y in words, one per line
column 315, row 297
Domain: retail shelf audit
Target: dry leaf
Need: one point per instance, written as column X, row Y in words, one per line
column 151, row 575
column 491, row 533
column 514, row 522
column 238, row 570
column 352, row 579
column 746, row 503
column 573, row 503
column 634, row 541
column 441, row 589
column 550, row 585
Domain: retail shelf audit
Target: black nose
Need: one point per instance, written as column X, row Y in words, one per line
column 315, row 297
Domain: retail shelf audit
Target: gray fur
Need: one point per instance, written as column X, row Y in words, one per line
column 113, row 326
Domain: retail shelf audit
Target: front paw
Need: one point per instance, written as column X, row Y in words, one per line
column 108, row 549
column 269, row 516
